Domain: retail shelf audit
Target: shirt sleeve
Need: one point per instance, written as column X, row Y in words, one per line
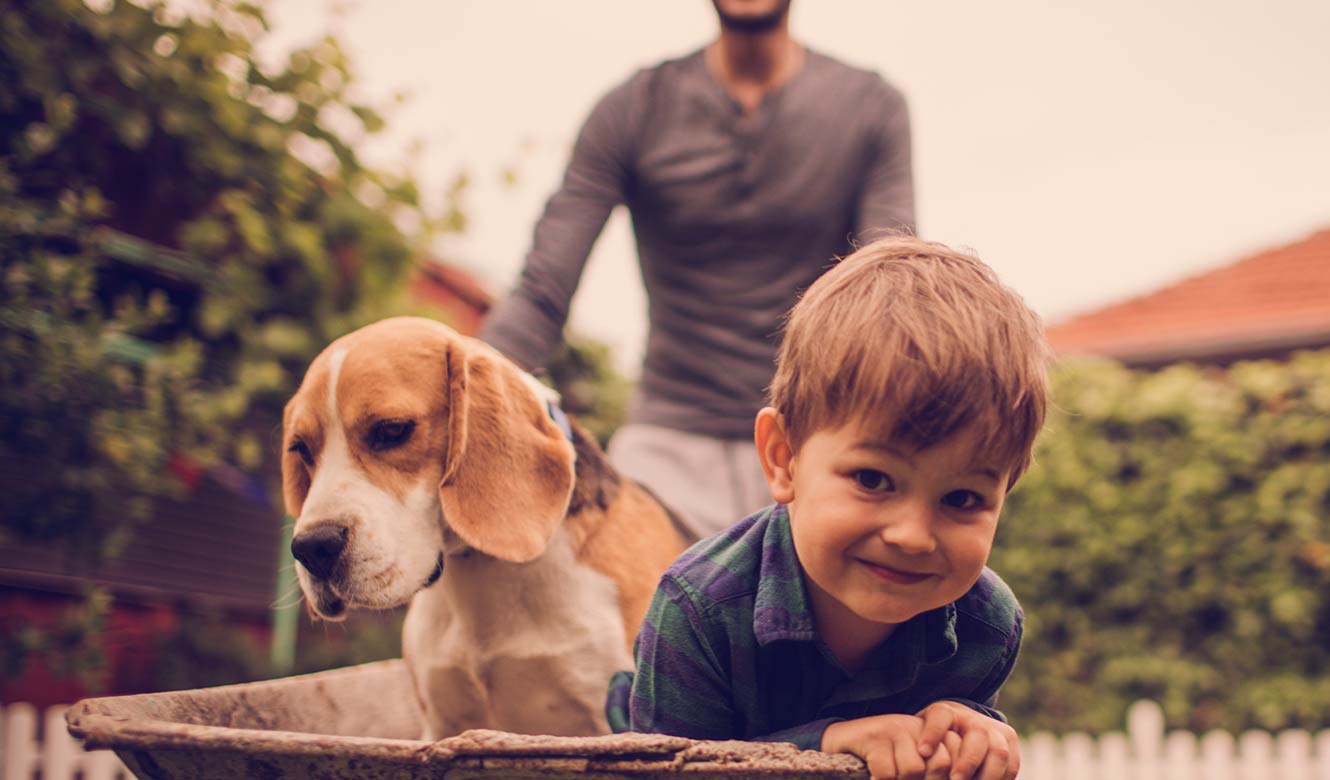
column 985, row 697
column 527, row 325
column 681, row 686
column 886, row 202
column 805, row 737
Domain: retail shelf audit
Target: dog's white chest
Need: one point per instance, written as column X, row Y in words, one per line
column 527, row 648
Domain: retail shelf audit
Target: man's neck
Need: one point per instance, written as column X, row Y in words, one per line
column 749, row 65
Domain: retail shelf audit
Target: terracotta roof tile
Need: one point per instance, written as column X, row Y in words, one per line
column 464, row 300
column 439, row 274
column 1279, row 298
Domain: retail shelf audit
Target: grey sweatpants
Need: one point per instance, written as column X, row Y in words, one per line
column 709, row 483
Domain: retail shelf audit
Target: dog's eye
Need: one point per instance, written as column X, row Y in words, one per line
column 386, row 434
column 299, row 448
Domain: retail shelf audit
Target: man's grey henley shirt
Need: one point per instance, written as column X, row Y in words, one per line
column 734, row 215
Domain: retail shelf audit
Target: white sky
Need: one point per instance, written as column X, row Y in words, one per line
column 1088, row 150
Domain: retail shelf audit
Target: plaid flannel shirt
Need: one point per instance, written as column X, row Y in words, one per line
column 729, row 650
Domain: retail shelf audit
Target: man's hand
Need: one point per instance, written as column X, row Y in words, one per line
column 889, row 745
column 989, row 749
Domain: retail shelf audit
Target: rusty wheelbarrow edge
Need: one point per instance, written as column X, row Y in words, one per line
column 128, row 723
column 643, row 752
column 105, row 731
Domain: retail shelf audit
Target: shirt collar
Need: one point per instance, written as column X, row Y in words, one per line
column 780, row 608
column 929, row 638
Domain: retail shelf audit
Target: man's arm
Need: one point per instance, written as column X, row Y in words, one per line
column 527, row 325
column 886, row 202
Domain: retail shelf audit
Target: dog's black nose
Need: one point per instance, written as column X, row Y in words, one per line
column 318, row 548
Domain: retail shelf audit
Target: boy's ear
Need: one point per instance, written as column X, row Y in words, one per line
column 775, row 453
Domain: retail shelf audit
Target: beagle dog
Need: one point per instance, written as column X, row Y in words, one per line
column 423, row 466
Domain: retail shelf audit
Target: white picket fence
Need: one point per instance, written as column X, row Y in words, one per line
column 1143, row 752
column 1146, row 752
column 26, row 749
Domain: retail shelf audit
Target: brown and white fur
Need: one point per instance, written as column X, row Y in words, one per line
column 422, row 465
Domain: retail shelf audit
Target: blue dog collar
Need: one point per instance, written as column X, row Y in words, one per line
column 560, row 419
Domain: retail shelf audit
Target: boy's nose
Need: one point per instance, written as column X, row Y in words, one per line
column 911, row 529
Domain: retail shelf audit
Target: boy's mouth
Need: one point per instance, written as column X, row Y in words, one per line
column 896, row 576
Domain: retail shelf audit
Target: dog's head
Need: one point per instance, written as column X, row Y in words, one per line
column 406, row 440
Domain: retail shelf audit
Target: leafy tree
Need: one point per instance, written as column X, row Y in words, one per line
column 181, row 229
column 170, row 262
column 590, row 387
column 1172, row 542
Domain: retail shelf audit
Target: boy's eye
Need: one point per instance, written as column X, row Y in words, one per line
column 873, row 481
column 963, row 499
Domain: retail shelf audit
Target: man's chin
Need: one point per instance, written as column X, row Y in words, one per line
column 758, row 22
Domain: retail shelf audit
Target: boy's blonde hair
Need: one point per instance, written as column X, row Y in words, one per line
column 921, row 340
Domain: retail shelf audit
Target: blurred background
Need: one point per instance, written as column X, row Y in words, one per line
column 196, row 197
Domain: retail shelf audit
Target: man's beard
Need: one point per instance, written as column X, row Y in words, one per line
column 753, row 24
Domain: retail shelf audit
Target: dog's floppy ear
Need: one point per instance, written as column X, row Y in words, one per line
column 508, row 472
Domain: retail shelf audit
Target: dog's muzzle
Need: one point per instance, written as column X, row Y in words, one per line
column 319, row 548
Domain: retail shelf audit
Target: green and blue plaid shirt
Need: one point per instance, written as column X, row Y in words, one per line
column 728, row 649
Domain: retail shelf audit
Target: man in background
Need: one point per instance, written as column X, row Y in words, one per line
column 747, row 168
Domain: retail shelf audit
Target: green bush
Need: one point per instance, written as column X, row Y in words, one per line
column 1172, row 542
column 590, row 388
column 170, row 263
column 181, row 230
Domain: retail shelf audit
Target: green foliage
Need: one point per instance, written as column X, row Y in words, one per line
column 363, row 637
column 592, row 390
column 72, row 647
column 170, row 263
column 204, row 650
column 181, row 229
column 1172, row 542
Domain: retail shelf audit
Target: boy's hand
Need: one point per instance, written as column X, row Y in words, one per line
column 889, row 745
column 989, row 749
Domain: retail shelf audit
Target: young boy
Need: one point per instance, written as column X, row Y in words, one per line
column 857, row 615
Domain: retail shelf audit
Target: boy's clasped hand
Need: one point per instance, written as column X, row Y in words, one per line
column 944, row 741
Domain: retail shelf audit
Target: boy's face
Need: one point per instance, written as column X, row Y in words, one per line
column 884, row 532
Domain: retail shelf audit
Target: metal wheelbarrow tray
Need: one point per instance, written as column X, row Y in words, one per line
column 363, row 722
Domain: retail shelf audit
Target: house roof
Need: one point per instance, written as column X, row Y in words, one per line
column 454, row 290
column 1260, row 306
column 462, row 284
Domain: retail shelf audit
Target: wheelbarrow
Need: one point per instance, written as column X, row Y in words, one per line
column 363, row 722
